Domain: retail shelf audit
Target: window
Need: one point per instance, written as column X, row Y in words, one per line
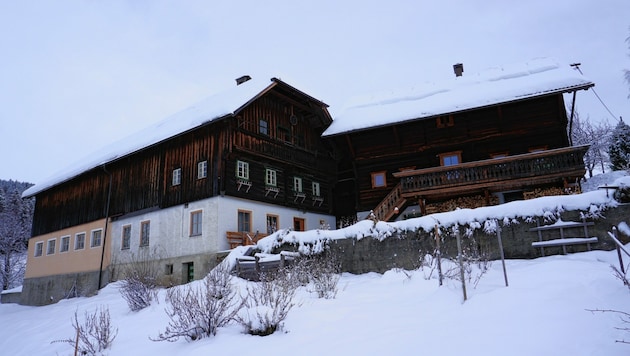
column 379, row 179
column 202, row 169
column 79, row 241
column 315, row 189
column 65, row 244
column 263, row 127
column 297, row 184
column 169, row 269
column 284, row 134
column 450, row 158
column 126, row 238
column 242, row 170
column 244, row 220
column 177, row 176
column 96, row 238
column 50, row 249
column 271, row 177
column 145, row 230
column 499, row 154
column 272, row 224
column 39, row 249
column 195, row 223
column 445, row 121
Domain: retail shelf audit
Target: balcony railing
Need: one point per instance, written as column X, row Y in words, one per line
column 500, row 173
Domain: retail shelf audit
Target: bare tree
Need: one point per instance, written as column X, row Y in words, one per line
column 597, row 136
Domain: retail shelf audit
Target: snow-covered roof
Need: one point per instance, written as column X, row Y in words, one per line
column 495, row 86
column 210, row 109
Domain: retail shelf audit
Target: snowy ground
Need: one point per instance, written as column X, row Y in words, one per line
column 544, row 311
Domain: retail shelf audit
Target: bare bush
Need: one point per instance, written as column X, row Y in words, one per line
column 140, row 280
column 268, row 303
column 94, row 335
column 324, row 273
column 198, row 311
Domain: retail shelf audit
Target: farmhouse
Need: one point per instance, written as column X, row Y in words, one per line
column 238, row 165
column 472, row 141
column 264, row 155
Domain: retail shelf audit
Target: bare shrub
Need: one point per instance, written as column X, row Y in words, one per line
column 140, row 280
column 621, row 276
column 324, row 273
column 268, row 302
column 198, row 311
column 94, row 335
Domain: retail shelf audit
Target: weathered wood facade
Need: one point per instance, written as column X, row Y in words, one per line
column 279, row 129
column 411, row 153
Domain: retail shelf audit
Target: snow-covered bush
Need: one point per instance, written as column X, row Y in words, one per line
column 324, row 273
column 268, row 303
column 197, row 311
column 94, row 335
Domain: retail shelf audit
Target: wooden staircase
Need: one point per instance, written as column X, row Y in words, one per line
column 390, row 205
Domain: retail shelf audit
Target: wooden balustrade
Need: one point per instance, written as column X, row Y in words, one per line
column 530, row 168
column 386, row 208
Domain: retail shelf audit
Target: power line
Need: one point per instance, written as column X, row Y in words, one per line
column 577, row 66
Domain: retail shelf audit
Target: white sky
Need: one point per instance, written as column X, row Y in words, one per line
column 78, row 75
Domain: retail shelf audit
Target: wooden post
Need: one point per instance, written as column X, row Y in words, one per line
column 623, row 269
column 461, row 263
column 438, row 253
column 502, row 254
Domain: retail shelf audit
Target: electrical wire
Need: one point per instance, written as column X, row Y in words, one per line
column 577, row 66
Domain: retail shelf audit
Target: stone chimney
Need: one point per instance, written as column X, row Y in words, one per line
column 458, row 69
column 242, row 79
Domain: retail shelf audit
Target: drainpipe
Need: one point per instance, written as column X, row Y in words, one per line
column 109, row 194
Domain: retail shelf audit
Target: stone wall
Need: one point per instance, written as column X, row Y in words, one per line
column 404, row 250
column 51, row 289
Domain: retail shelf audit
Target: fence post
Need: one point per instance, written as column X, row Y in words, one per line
column 461, row 262
column 623, row 270
column 502, row 254
column 438, row 253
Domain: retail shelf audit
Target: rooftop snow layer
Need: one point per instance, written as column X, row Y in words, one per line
column 497, row 85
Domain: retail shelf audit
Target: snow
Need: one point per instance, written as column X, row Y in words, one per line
column 541, row 76
column 546, row 310
column 212, row 108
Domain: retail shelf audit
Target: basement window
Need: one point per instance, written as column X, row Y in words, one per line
column 379, row 179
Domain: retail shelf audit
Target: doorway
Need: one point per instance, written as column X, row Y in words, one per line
column 189, row 272
column 299, row 224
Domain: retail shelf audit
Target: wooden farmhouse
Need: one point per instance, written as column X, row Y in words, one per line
column 472, row 141
column 264, row 156
column 225, row 172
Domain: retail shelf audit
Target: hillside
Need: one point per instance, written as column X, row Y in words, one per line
column 543, row 311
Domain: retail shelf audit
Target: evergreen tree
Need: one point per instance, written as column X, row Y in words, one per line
column 619, row 149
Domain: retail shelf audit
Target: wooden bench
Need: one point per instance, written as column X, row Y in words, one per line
column 563, row 240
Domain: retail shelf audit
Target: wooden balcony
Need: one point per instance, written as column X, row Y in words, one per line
column 495, row 175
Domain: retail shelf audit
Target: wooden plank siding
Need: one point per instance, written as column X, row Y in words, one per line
column 512, row 128
column 144, row 179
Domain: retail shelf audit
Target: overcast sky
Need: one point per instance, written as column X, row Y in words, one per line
column 77, row 75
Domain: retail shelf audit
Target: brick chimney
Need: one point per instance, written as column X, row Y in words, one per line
column 458, row 69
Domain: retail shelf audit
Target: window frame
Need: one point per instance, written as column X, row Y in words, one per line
column 271, row 177
column 145, row 226
column 272, row 218
column 375, row 179
column 64, row 244
column 240, row 223
column 298, row 186
column 316, row 189
column 263, row 127
column 196, row 223
column 94, row 232
column 445, row 155
column 80, row 241
column 39, row 249
column 202, row 169
column 177, row 177
column 242, row 170
column 51, row 244
column 125, row 238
